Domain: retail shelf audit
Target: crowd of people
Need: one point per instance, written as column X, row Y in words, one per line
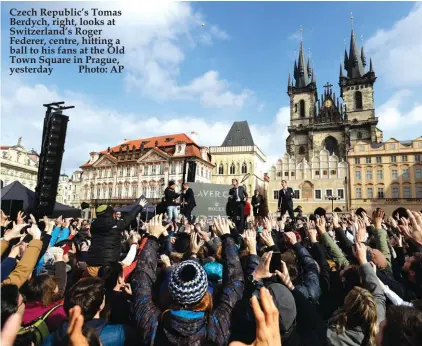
column 325, row 279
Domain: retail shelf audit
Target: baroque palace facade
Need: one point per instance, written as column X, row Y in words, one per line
column 323, row 130
column 119, row 175
column 19, row 164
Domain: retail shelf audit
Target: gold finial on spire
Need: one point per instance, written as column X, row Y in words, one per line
column 351, row 19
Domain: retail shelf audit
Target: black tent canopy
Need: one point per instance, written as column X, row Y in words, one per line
column 17, row 192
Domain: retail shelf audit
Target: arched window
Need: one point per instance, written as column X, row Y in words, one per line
column 301, row 150
column 232, row 168
column 358, row 100
column 221, row 169
column 331, row 145
column 244, row 168
column 302, row 108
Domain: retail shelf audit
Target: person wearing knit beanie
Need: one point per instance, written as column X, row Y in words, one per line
column 188, row 283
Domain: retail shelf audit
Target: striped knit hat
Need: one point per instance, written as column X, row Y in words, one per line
column 188, row 283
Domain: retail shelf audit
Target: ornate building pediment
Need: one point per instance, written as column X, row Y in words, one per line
column 153, row 156
column 105, row 161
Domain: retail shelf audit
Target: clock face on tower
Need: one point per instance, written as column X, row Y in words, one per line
column 328, row 103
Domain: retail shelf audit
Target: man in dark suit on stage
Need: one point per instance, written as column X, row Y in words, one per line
column 285, row 200
column 237, row 196
column 188, row 201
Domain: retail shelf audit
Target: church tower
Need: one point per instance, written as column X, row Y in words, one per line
column 357, row 92
column 303, row 97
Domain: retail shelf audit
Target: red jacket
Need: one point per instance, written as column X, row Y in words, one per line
column 247, row 208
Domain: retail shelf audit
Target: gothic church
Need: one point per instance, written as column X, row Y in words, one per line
column 326, row 122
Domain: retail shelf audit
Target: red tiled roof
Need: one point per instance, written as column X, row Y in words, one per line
column 165, row 145
column 162, row 141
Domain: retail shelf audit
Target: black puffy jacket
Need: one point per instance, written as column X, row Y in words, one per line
column 106, row 234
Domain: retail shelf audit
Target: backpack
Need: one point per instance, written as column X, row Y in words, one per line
column 38, row 328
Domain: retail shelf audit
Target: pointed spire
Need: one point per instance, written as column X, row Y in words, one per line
column 302, row 78
column 289, row 82
column 354, row 66
column 346, row 58
column 308, row 67
column 363, row 57
column 341, row 70
column 371, row 67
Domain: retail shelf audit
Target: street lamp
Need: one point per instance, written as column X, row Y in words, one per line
column 332, row 199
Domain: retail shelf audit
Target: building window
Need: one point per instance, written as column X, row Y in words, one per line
column 392, row 146
column 394, row 174
column 368, row 160
column 380, row 192
column 340, row 193
column 119, row 192
column 406, row 173
column 221, row 169
column 146, row 170
column 110, row 192
column 286, row 174
column 301, row 150
column 418, row 173
column 368, row 175
column 292, row 174
column 232, row 168
column 357, row 160
column 126, row 193
column 404, row 158
column 317, row 194
column 325, row 172
column 370, row 192
column 172, row 168
column 358, row 100
column 316, row 172
column 297, row 194
column 244, row 168
column 202, row 171
column 98, row 192
column 379, row 159
column 418, row 191
column 358, row 175
column 379, row 174
column 418, row 158
column 328, row 192
column 275, row 194
column 278, row 174
column 302, row 108
column 407, row 192
column 393, row 158
column 358, row 192
column 153, row 169
column 395, row 192
column 333, row 172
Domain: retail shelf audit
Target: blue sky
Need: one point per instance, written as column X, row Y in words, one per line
column 181, row 76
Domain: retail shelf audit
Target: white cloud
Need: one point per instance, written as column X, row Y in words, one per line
column 93, row 128
column 397, row 123
column 397, row 51
column 157, row 37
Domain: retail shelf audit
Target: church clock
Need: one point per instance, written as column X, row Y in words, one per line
column 328, row 103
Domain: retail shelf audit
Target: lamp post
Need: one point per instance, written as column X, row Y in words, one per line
column 332, row 199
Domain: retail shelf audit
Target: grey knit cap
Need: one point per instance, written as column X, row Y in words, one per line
column 188, row 283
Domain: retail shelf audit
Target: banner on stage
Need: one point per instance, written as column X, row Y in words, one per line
column 211, row 199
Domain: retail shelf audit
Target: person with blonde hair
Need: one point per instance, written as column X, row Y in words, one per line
column 357, row 322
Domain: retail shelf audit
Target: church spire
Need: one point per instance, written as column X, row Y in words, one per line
column 341, row 70
column 289, row 82
column 354, row 63
column 301, row 73
column 308, row 67
column 363, row 57
column 371, row 67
